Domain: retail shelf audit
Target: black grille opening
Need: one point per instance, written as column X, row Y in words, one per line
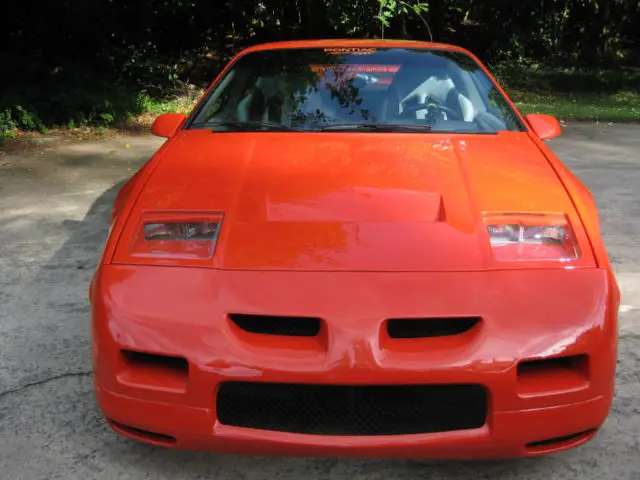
column 352, row 410
column 429, row 327
column 273, row 325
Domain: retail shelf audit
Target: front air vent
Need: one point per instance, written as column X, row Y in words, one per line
column 576, row 363
column 160, row 372
column 430, row 327
column 276, row 325
column 551, row 376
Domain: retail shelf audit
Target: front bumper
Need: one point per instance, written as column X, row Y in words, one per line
column 526, row 315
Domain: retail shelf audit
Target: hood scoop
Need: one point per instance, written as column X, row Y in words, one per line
column 359, row 204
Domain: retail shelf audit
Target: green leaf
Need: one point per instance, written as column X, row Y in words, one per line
column 383, row 20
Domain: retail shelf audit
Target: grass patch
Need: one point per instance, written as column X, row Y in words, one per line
column 574, row 94
column 181, row 102
column 593, row 108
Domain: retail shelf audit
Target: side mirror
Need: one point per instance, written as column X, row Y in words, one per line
column 167, row 124
column 544, row 126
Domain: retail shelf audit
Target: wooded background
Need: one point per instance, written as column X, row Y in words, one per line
column 71, row 62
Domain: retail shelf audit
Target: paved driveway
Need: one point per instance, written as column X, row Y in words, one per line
column 55, row 201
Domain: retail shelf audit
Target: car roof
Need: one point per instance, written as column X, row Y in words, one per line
column 350, row 42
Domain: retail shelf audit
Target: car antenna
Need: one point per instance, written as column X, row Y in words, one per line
column 426, row 24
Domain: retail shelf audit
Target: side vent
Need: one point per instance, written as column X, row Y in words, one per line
column 553, row 375
column 158, row 372
column 275, row 325
column 430, row 327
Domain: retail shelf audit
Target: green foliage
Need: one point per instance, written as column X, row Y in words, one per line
column 18, row 117
column 78, row 62
column 389, row 9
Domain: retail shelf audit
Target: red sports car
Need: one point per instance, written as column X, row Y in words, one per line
column 355, row 248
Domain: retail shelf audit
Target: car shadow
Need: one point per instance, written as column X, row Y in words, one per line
column 58, row 294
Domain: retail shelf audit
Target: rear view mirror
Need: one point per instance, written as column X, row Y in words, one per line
column 167, row 124
column 544, row 126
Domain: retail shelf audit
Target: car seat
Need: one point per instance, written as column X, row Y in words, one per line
column 437, row 85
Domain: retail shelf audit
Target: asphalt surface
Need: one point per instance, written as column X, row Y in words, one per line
column 55, row 200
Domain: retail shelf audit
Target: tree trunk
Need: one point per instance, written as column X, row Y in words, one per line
column 596, row 38
column 290, row 19
column 403, row 26
column 315, row 18
column 436, row 19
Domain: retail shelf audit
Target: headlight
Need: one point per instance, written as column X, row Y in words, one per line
column 531, row 237
column 175, row 235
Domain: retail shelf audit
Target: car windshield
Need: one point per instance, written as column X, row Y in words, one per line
column 356, row 89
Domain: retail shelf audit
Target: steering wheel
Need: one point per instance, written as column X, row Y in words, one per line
column 430, row 104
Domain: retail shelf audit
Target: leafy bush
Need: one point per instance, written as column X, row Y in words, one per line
column 18, row 117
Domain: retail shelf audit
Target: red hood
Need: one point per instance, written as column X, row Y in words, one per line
column 342, row 201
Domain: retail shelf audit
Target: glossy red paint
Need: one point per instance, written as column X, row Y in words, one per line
column 343, row 206
column 168, row 124
column 378, row 226
column 545, row 127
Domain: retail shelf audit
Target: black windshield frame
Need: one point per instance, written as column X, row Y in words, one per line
column 462, row 58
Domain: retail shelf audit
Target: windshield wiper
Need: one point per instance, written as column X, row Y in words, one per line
column 248, row 126
column 351, row 127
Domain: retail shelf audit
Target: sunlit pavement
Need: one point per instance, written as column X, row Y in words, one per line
column 55, row 202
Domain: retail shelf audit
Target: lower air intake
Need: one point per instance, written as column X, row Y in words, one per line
column 352, row 410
